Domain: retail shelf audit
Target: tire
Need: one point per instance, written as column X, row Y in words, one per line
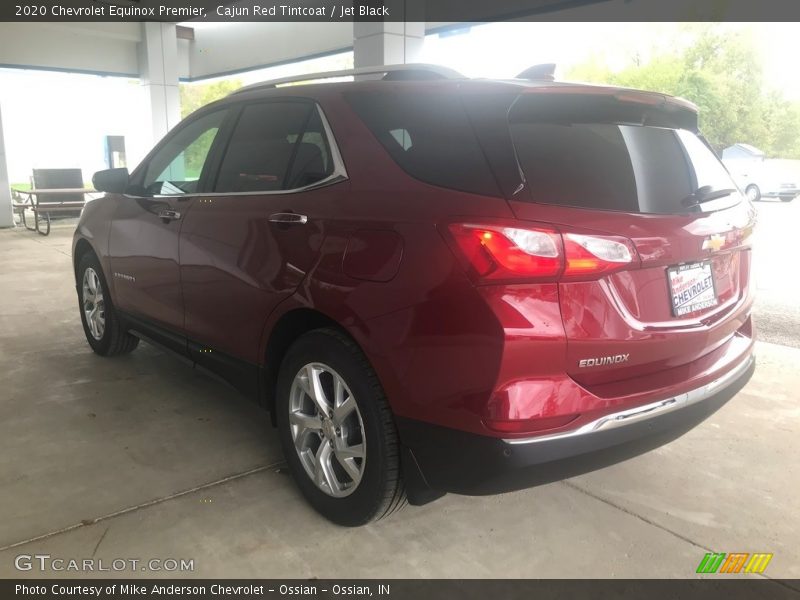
column 367, row 426
column 753, row 192
column 113, row 339
column 787, row 198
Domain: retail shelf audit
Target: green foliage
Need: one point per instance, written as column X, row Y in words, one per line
column 722, row 74
column 195, row 155
column 196, row 95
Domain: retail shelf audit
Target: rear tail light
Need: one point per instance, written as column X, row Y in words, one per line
column 495, row 253
column 509, row 252
column 589, row 255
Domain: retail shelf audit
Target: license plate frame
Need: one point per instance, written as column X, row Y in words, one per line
column 691, row 287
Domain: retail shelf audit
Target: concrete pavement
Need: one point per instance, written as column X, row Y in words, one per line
column 142, row 457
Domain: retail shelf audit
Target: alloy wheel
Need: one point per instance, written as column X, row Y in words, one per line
column 327, row 429
column 94, row 308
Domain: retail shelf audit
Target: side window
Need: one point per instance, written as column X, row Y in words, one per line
column 429, row 136
column 275, row 146
column 402, row 137
column 176, row 167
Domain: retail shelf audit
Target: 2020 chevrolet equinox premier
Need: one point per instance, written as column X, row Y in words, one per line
column 435, row 284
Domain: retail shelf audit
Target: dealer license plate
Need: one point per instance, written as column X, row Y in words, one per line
column 691, row 288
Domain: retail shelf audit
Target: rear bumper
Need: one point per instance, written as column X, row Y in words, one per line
column 448, row 460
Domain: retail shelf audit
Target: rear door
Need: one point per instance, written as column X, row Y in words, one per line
column 624, row 167
column 249, row 242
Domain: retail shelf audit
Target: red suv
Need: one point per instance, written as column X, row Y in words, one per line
column 435, row 284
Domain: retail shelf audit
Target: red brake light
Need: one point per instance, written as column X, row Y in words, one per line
column 497, row 253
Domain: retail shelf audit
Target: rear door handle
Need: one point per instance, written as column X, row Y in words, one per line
column 169, row 215
column 288, row 218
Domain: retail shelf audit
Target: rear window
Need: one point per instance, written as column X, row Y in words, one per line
column 578, row 158
column 429, row 136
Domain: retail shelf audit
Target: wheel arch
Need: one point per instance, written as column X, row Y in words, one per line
column 289, row 326
column 82, row 247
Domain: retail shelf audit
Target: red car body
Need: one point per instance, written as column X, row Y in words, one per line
column 495, row 381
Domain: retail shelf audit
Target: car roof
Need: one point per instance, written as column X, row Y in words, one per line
column 464, row 85
column 423, row 77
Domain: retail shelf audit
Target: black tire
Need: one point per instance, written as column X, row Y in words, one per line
column 787, row 198
column 380, row 491
column 115, row 340
column 753, row 192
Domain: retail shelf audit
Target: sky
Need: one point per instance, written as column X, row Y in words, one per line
column 55, row 120
column 505, row 49
column 66, row 127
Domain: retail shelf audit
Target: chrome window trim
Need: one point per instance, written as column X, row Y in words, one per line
column 647, row 411
column 339, row 173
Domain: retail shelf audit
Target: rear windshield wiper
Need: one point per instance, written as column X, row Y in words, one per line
column 706, row 194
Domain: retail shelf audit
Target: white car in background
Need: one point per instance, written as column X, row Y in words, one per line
column 760, row 177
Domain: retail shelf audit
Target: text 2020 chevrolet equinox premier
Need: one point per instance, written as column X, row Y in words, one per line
column 435, row 284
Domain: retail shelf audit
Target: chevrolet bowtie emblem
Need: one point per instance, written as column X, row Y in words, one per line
column 714, row 242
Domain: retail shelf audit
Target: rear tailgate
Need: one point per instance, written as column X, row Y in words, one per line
column 628, row 166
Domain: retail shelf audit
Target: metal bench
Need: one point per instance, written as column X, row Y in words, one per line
column 41, row 210
column 55, row 191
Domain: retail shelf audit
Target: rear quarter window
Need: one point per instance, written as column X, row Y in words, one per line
column 429, row 136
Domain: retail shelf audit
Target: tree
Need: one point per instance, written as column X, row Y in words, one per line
column 196, row 95
column 721, row 73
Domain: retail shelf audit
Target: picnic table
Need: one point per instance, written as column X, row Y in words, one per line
column 42, row 210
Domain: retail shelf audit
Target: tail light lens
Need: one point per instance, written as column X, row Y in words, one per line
column 592, row 255
column 495, row 253
column 509, row 252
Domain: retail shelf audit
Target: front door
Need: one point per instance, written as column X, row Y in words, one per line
column 143, row 242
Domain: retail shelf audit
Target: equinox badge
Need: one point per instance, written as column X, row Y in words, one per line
column 603, row 360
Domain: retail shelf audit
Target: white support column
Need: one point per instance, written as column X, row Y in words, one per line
column 158, row 69
column 6, row 213
column 386, row 43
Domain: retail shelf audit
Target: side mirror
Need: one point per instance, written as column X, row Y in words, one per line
column 113, row 181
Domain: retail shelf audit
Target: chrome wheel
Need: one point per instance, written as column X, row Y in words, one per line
column 327, row 429
column 94, row 308
column 753, row 193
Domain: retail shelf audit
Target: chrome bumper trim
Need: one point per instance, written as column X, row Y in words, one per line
column 646, row 411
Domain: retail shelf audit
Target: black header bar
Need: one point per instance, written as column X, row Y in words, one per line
column 755, row 588
column 399, row 10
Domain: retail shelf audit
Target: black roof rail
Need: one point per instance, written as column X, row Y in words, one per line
column 389, row 72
